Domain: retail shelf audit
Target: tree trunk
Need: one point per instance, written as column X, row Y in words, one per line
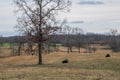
column 40, row 34
column 79, row 49
column 39, row 54
column 68, row 50
column 71, row 49
column 0, row 49
column 19, row 49
column 48, row 49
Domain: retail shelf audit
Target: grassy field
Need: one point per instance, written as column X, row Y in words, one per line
column 83, row 66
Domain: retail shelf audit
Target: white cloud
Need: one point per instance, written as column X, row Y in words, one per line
column 90, row 2
column 94, row 12
column 96, row 17
column 7, row 17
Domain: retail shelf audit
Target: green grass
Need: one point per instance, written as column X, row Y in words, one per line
column 5, row 45
column 59, row 45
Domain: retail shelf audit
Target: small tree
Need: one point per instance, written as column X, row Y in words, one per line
column 114, row 40
column 68, row 38
column 1, row 41
column 39, row 19
column 78, row 40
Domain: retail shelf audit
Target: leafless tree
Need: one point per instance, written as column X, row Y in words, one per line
column 78, row 40
column 114, row 40
column 113, row 32
column 17, row 47
column 39, row 18
column 68, row 38
column 72, row 36
column 1, row 41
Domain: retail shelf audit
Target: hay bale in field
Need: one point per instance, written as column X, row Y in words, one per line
column 65, row 61
column 107, row 55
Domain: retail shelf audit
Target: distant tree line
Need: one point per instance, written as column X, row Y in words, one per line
column 70, row 39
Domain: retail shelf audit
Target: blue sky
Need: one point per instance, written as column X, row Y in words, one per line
column 97, row 16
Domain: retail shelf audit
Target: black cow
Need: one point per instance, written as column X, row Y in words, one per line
column 65, row 61
column 107, row 55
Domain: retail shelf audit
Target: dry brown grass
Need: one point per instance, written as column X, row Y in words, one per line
column 81, row 66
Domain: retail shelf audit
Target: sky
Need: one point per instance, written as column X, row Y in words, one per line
column 98, row 16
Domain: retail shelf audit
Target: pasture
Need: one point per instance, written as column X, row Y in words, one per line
column 81, row 66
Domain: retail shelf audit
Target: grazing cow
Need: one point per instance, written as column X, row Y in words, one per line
column 107, row 55
column 65, row 61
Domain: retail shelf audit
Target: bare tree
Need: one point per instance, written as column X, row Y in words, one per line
column 114, row 40
column 68, row 38
column 1, row 41
column 39, row 19
column 113, row 32
column 72, row 38
column 78, row 40
column 18, row 45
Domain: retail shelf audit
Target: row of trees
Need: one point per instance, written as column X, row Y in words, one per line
column 75, row 37
column 68, row 37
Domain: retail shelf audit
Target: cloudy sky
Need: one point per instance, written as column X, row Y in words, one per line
column 97, row 16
